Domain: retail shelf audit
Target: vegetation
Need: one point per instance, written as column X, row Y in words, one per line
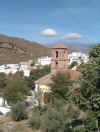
column 36, row 74
column 14, row 50
column 60, row 86
column 72, row 109
column 95, row 51
column 18, row 112
column 16, row 89
column 34, row 121
column 74, row 63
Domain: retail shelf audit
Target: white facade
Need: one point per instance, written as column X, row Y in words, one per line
column 78, row 57
column 13, row 68
column 44, row 61
column 74, row 56
column 4, row 108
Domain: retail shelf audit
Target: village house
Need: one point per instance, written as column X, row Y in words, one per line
column 59, row 63
column 77, row 56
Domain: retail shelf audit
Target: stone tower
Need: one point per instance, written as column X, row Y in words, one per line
column 59, row 61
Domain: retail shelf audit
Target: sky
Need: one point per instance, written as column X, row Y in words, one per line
column 50, row 21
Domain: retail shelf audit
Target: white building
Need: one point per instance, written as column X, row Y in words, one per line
column 78, row 57
column 13, row 68
column 4, row 108
column 44, row 61
column 74, row 56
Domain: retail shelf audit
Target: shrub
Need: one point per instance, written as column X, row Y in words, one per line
column 54, row 121
column 34, row 121
column 79, row 129
column 19, row 112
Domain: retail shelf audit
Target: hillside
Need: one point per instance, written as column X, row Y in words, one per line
column 14, row 50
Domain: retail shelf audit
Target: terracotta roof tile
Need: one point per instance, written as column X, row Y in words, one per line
column 47, row 79
column 58, row 46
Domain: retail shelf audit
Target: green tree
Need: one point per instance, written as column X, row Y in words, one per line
column 2, row 81
column 60, row 86
column 59, row 120
column 15, row 90
column 90, row 85
column 18, row 112
column 74, row 63
column 33, row 63
column 36, row 74
column 95, row 51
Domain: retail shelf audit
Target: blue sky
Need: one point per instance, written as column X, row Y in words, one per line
column 38, row 20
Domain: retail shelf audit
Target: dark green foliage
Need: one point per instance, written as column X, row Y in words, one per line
column 33, row 63
column 74, row 63
column 18, row 112
column 79, row 129
column 36, row 74
column 59, row 120
column 2, row 81
column 61, row 85
column 34, row 121
column 91, row 121
column 95, row 51
column 16, row 90
column 90, row 88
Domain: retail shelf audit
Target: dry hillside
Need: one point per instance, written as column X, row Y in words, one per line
column 14, row 50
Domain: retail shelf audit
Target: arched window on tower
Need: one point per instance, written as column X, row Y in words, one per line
column 56, row 54
column 56, row 62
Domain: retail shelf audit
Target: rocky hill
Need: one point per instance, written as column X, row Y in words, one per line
column 14, row 50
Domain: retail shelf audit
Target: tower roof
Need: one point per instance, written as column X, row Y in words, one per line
column 59, row 46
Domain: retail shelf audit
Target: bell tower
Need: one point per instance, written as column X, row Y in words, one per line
column 59, row 61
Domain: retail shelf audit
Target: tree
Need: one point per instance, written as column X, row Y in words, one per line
column 15, row 90
column 18, row 112
column 36, row 74
column 2, row 81
column 74, row 63
column 59, row 120
column 90, row 84
column 33, row 63
column 60, row 86
column 95, row 51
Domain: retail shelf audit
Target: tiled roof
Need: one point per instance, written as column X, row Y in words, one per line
column 47, row 79
column 58, row 46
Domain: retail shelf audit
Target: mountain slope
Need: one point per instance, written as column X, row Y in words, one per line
column 14, row 50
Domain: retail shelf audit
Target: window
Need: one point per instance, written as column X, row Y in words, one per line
column 56, row 54
column 56, row 62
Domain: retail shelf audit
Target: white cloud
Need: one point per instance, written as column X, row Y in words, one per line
column 72, row 36
column 49, row 32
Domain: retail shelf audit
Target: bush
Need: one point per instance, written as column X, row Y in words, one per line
column 79, row 129
column 54, row 121
column 34, row 121
column 19, row 112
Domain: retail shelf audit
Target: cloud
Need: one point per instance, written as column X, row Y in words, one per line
column 72, row 36
column 49, row 32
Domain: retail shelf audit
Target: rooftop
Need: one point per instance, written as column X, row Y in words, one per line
column 58, row 46
column 47, row 79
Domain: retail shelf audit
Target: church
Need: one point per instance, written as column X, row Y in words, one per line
column 59, row 63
